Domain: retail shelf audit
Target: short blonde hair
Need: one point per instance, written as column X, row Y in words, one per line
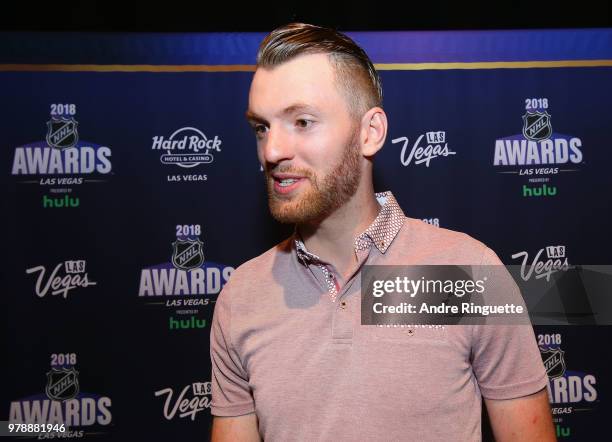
column 353, row 68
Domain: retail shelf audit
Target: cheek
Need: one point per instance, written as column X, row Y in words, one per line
column 325, row 153
column 260, row 156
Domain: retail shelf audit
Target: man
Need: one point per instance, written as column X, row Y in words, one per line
column 290, row 358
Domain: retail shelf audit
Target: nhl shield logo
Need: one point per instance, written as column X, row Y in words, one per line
column 553, row 362
column 187, row 254
column 536, row 126
column 62, row 384
column 62, row 133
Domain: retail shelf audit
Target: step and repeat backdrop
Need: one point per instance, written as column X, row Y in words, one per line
column 133, row 190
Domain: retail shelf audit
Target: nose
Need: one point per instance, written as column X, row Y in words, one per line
column 276, row 146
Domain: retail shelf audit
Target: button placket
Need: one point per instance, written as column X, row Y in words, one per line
column 342, row 324
column 380, row 234
column 330, row 281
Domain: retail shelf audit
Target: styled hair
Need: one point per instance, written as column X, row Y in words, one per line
column 355, row 74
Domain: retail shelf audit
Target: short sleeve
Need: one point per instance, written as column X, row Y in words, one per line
column 231, row 394
column 505, row 358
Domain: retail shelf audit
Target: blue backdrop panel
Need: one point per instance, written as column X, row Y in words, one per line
column 134, row 189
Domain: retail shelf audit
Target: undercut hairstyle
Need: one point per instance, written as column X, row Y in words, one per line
column 355, row 75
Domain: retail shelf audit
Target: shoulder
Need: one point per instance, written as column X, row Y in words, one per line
column 260, row 269
column 443, row 246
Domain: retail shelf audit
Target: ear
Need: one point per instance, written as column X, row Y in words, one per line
column 373, row 131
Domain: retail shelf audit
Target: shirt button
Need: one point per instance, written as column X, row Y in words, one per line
column 343, row 304
column 410, row 332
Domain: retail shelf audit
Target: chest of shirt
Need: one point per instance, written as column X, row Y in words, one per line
column 290, row 330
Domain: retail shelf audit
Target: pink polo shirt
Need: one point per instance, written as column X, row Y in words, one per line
column 287, row 343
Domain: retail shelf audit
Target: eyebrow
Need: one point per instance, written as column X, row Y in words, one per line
column 297, row 107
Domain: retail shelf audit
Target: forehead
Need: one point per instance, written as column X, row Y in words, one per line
column 307, row 79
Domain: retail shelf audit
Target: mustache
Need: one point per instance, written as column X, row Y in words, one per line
column 287, row 169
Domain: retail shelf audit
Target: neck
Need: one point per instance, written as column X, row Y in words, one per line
column 332, row 239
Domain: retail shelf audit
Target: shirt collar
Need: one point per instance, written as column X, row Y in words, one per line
column 380, row 233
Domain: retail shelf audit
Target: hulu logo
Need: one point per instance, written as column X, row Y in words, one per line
column 562, row 431
column 544, row 190
column 66, row 201
column 185, row 324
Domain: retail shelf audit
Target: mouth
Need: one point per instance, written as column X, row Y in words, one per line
column 285, row 184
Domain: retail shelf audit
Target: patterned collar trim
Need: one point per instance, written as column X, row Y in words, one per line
column 380, row 233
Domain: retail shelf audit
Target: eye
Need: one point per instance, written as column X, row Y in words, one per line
column 259, row 129
column 303, row 123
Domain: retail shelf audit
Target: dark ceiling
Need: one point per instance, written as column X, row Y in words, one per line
column 202, row 16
